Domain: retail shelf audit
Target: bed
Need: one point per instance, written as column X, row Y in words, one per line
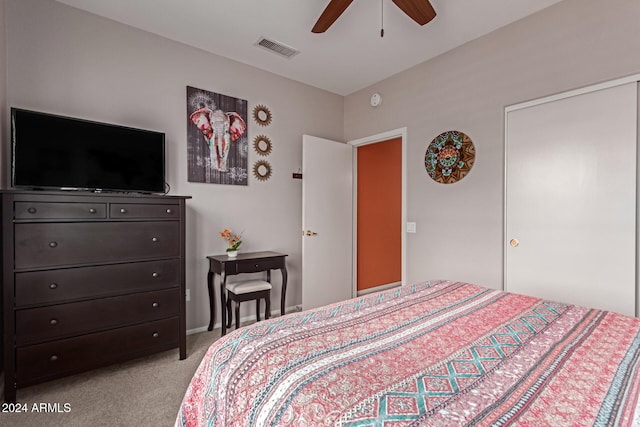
column 437, row 353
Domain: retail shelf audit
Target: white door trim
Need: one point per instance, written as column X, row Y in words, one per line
column 570, row 93
column 384, row 136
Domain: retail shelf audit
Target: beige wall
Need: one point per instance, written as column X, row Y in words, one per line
column 69, row 62
column 460, row 226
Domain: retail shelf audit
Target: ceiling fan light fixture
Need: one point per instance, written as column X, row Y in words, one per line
column 421, row 11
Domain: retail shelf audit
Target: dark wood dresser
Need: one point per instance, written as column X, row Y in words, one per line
column 89, row 280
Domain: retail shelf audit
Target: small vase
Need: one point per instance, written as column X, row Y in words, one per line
column 232, row 254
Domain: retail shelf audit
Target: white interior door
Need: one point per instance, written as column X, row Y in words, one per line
column 571, row 199
column 327, row 222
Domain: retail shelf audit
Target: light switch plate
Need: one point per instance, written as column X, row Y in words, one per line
column 411, row 227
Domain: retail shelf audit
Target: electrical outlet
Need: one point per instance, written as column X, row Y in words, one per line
column 188, row 295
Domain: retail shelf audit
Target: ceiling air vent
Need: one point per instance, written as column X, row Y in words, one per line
column 276, row 47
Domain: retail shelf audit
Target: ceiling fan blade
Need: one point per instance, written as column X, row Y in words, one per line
column 420, row 11
column 332, row 12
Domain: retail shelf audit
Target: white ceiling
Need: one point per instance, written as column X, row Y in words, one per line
column 351, row 55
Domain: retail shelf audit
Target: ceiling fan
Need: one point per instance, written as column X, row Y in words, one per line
column 420, row 11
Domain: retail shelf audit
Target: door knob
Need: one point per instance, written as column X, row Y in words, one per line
column 310, row 233
column 514, row 242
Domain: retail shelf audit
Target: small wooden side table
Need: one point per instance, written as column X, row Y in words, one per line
column 250, row 262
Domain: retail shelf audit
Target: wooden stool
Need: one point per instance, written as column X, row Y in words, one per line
column 246, row 291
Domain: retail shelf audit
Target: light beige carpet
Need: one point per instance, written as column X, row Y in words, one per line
column 142, row 392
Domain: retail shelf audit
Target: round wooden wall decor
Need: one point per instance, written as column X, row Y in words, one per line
column 262, row 115
column 449, row 157
column 262, row 145
column 262, row 170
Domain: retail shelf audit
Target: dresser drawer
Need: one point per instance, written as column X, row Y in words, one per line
column 130, row 210
column 47, row 245
column 40, row 362
column 44, row 210
column 258, row 265
column 47, row 323
column 68, row 284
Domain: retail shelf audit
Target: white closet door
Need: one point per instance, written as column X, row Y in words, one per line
column 571, row 199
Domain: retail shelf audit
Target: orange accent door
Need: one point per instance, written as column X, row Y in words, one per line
column 379, row 217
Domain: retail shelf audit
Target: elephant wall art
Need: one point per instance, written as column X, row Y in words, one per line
column 217, row 138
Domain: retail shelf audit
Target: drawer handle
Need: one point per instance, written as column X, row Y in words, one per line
column 155, row 305
column 53, row 322
column 53, row 358
column 155, row 334
column 53, row 286
column 92, row 210
column 257, row 265
column 32, row 210
column 154, row 239
column 154, row 274
column 53, row 244
column 123, row 211
column 169, row 211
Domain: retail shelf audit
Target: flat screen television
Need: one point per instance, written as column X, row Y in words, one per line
column 65, row 153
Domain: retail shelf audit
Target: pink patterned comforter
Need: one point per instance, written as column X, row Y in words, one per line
column 432, row 354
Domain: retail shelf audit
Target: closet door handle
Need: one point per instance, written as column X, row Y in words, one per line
column 514, row 243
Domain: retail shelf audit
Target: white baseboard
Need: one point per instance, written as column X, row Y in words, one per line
column 274, row 313
column 198, row 330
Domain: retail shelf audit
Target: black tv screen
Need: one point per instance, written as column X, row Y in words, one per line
column 56, row 152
